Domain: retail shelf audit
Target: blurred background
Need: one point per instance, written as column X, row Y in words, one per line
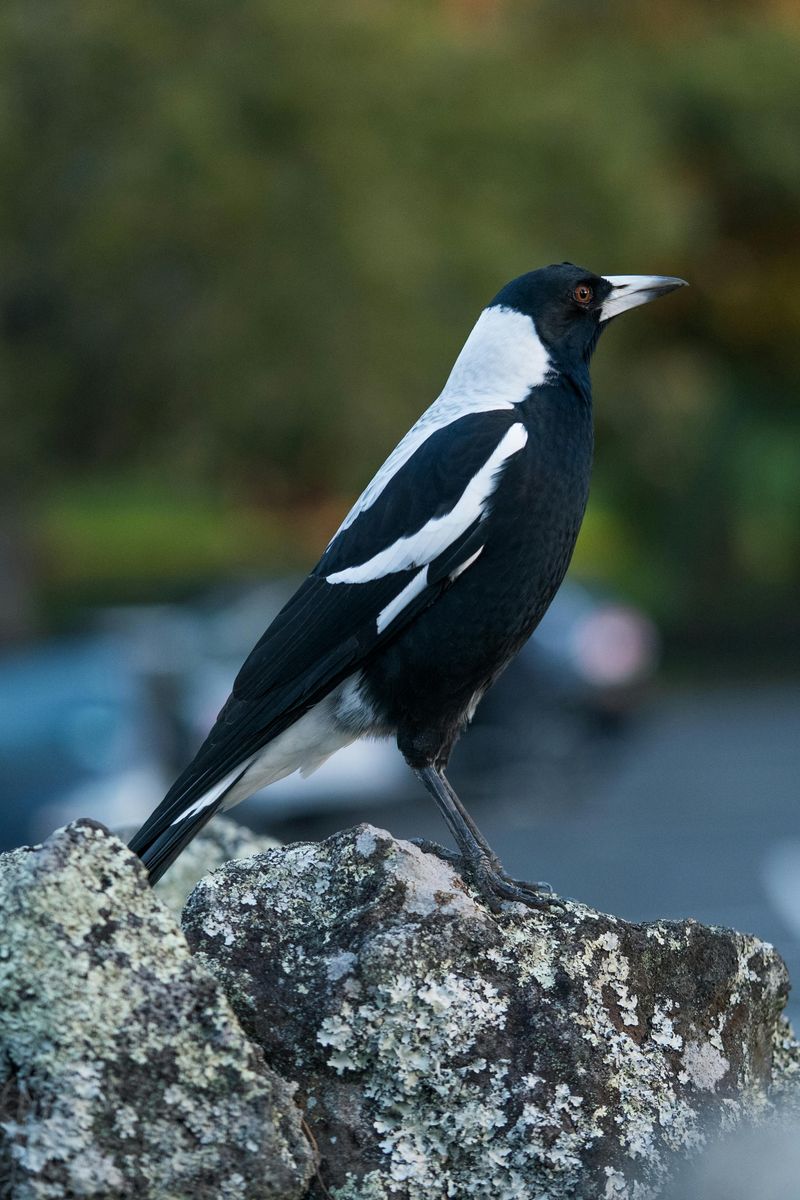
column 240, row 247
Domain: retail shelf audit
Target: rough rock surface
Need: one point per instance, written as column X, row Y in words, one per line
column 443, row 1051
column 123, row 1072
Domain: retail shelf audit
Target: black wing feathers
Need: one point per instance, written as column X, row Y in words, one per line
column 326, row 631
column 427, row 486
column 316, row 641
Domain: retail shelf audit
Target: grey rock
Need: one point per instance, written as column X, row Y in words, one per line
column 123, row 1071
column 445, row 1051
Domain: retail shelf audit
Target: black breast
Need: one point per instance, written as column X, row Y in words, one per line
column 427, row 682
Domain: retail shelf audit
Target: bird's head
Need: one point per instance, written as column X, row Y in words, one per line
column 569, row 306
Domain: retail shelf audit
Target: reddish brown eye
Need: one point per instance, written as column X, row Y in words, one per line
column 583, row 293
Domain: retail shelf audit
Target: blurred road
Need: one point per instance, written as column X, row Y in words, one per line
column 694, row 813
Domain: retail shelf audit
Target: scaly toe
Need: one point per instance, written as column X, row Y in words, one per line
column 530, row 885
column 497, row 889
column 428, row 847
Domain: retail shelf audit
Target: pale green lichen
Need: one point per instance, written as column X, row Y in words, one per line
column 786, row 1068
column 426, row 1033
column 650, row 1108
column 123, row 1070
column 533, row 1054
column 705, row 1065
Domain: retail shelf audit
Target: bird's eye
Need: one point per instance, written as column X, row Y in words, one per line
column 582, row 293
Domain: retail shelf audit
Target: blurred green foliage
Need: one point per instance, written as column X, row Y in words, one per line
column 242, row 242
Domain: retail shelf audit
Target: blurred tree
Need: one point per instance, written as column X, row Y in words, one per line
column 242, row 243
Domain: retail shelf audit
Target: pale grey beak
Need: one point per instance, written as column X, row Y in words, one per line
column 629, row 291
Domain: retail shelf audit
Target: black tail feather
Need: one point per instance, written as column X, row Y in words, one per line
column 170, row 828
column 159, row 852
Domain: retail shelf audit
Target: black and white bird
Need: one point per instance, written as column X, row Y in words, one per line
column 436, row 577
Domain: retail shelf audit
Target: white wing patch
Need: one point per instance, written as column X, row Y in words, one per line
column 396, row 606
column 413, row 589
column 502, row 359
column 437, row 534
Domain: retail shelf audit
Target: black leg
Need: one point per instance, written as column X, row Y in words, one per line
column 479, row 862
column 468, row 821
column 539, row 885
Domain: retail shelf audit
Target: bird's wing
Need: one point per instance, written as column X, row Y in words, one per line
column 386, row 564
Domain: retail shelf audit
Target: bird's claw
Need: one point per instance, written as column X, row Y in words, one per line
column 429, row 847
column 532, row 885
column 498, row 889
column 490, row 880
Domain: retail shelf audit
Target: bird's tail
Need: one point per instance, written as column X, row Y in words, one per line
column 159, row 851
column 173, row 825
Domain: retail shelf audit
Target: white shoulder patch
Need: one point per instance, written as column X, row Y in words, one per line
column 502, row 359
column 420, row 548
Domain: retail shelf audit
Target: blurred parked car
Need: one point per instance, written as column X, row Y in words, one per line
column 77, row 738
column 99, row 725
column 554, row 715
column 591, row 653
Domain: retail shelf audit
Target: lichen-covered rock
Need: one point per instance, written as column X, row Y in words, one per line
column 785, row 1091
column 123, row 1072
column 445, row 1051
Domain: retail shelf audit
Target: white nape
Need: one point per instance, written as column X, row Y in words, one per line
column 440, row 532
column 502, row 359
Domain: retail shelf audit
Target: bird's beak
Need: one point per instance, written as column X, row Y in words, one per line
column 629, row 291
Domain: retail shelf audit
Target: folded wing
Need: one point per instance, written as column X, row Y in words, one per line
column 389, row 561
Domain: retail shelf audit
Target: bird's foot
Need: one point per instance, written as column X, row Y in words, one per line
column 498, row 889
column 488, row 877
column 531, row 885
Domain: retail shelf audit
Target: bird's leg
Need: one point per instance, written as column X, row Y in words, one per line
column 539, row 885
column 452, row 856
column 470, row 824
column 479, row 862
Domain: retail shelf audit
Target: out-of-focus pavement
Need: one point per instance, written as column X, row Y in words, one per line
column 694, row 813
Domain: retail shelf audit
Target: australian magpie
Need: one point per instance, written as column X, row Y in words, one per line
column 436, row 577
